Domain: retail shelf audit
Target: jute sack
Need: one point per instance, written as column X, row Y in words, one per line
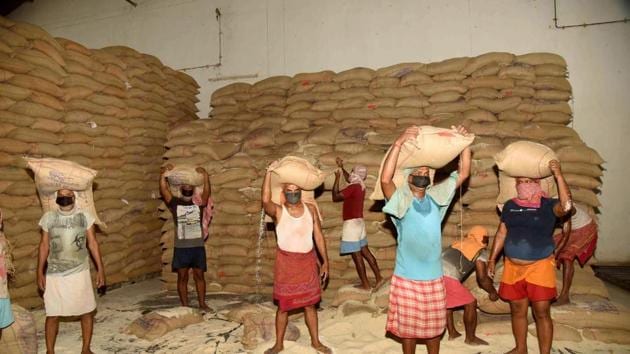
column 52, row 175
column 525, row 159
column 433, row 147
column 295, row 170
column 157, row 323
column 298, row 171
column 507, row 187
column 183, row 175
column 483, row 301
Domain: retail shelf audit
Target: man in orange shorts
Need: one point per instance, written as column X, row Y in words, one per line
column 525, row 235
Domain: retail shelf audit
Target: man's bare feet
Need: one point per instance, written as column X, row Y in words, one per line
column 273, row 350
column 362, row 287
column 454, row 335
column 516, row 351
column 321, row 348
column 475, row 341
column 379, row 283
column 562, row 300
column 204, row 308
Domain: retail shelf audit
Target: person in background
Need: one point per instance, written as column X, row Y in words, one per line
column 189, row 251
column 525, row 235
column 63, row 268
column 417, row 209
column 353, row 237
column 297, row 279
column 578, row 240
column 6, row 270
column 458, row 261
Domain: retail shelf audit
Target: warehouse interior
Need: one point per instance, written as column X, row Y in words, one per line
column 126, row 87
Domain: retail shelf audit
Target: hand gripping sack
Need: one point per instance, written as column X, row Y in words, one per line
column 433, row 147
column 52, row 175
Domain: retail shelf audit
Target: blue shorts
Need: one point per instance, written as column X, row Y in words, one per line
column 353, row 236
column 6, row 314
column 194, row 257
column 352, row 246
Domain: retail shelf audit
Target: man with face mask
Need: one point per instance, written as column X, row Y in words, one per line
column 63, row 269
column 417, row 210
column 525, row 235
column 354, row 238
column 458, row 261
column 297, row 280
column 189, row 252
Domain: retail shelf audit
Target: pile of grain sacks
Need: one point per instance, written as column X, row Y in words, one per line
column 356, row 114
column 108, row 109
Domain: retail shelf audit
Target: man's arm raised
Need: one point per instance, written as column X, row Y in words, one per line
column 389, row 167
column 164, row 190
column 269, row 206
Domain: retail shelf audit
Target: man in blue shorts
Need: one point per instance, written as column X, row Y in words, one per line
column 189, row 252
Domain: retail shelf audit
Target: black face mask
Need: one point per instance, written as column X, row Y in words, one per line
column 64, row 200
column 187, row 192
column 420, row 181
column 293, row 197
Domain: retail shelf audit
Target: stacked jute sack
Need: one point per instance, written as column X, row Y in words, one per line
column 356, row 114
column 106, row 109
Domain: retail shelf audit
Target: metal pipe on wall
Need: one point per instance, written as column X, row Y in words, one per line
column 555, row 20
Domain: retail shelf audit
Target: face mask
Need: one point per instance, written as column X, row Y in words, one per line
column 527, row 191
column 187, row 192
column 293, row 197
column 64, row 201
column 420, row 181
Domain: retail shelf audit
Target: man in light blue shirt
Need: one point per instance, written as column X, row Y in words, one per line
column 417, row 302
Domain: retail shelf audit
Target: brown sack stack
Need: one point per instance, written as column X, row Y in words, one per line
column 356, row 114
column 60, row 99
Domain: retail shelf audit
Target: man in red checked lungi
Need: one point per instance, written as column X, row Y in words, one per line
column 578, row 240
column 417, row 299
column 297, row 278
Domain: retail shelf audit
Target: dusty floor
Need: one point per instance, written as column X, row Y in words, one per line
column 358, row 333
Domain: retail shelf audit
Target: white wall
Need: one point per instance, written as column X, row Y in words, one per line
column 273, row 37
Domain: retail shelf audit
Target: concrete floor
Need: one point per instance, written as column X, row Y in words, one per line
column 618, row 295
column 120, row 307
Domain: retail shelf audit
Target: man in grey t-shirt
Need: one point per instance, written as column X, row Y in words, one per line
column 63, row 269
column 189, row 252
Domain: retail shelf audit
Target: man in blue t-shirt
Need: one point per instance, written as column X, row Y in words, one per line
column 418, row 269
column 525, row 236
